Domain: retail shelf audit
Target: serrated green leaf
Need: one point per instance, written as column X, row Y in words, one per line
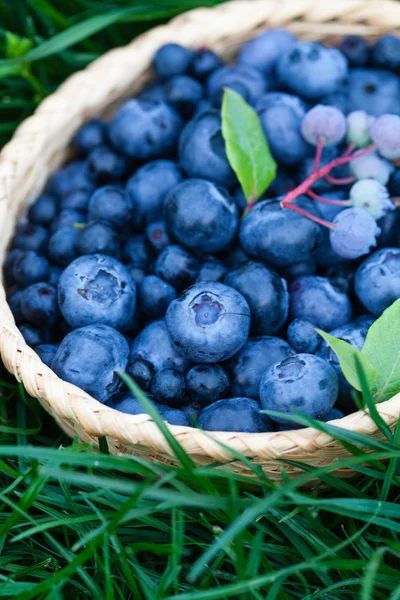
column 246, row 146
column 382, row 349
column 348, row 355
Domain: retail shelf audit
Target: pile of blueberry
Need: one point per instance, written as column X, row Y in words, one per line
column 142, row 256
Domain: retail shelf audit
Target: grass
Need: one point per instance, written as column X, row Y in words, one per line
column 76, row 523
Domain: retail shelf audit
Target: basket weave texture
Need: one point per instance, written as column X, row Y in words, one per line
column 41, row 144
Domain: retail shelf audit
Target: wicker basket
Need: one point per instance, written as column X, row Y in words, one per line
column 40, row 145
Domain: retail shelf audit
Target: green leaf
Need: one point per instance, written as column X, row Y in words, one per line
column 348, row 355
column 16, row 45
column 246, row 146
column 382, row 349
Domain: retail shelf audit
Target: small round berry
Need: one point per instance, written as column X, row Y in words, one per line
column 386, row 52
column 385, row 133
column 30, row 268
column 43, row 211
column 377, row 280
column 302, row 336
column 355, row 233
column 90, row 135
column 358, row 126
column 154, row 345
column 142, row 371
column 39, row 305
column 111, row 205
column 176, row 266
column 372, row 166
column 304, row 383
column 234, row 414
column 204, row 63
column 372, row 196
column 97, row 238
column 355, row 49
column 46, row 353
column 324, row 122
column 168, row 387
column 155, row 295
column 206, row 384
column 171, row 60
column 62, row 245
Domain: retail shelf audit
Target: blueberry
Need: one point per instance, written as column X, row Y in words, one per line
column 108, row 351
column 127, row 403
column 386, row 52
column 136, row 251
column 90, row 135
column 137, row 273
column 342, row 277
column 155, row 295
column 247, row 367
column 10, row 261
column 201, row 216
column 142, row 371
column 14, row 302
column 375, row 91
column 243, row 79
column 43, row 211
column 183, row 93
column 390, row 228
column 176, row 266
column 168, row 387
column 202, row 150
column 34, row 336
column 76, row 200
column 46, row 353
column 206, row 384
column 212, row 270
column 209, row 322
column 281, row 117
column 240, row 200
column 74, row 176
column 355, row 233
column 30, row 268
column 39, row 305
column 307, row 267
column 172, row 59
column 312, row 71
column 31, row 237
column 154, row 345
column 97, row 238
column 325, row 123
column 264, row 50
column 62, row 245
column 355, row 49
column 68, row 217
column 157, row 236
column 316, row 299
column 148, row 188
column 377, row 280
column 204, row 63
column 54, row 275
column 96, row 289
column 154, row 91
column 106, row 165
column 234, row 414
column 145, row 129
column 279, row 237
column 304, row 383
column 333, row 414
column 192, row 413
column 302, row 336
column 266, row 294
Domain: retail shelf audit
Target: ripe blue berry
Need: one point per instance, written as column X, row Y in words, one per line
column 245, row 80
column 183, row 93
column 302, row 335
column 39, row 305
column 355, row 49
column 317, row 300
column 209, row 322
column 157, row 236
column 155, row 295
column 326, row 123
column 355, row 233
column 30, row 237
column 126, row 402
column 204, row 63
column 46, row 353
column 377, row 280
column 303, row 383
column 97, row 238
column 176, row 266
column 90, row 135
column 201, row 216
column 234, row 414
column 212, row 270
column 172, row 59
column 386, row 52
column 43, row 211
column 142, row 372
column 110, row 205
column 30, row 268
column 168, row 387
column 375, row 91
column 106, row 165
column 108, row 351
column 372, row 196
column 206, row 384
column 97, row 289
column 263, row 51
column 62, row 245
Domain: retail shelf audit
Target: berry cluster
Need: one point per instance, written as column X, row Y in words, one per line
column 142, row 255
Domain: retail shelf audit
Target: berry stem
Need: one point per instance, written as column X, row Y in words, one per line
column 339, row 180
column 308, row 215
column 318, row 198
column 318, row 153
column 349, row 150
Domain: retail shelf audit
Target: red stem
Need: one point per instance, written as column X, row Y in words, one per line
column 318, row 153
column 308, row 215
column 339, row 180
column 349, row 150
column 318, row 198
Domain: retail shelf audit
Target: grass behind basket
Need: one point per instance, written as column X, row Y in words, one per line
column 76, row 523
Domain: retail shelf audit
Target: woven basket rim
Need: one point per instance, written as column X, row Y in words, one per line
column 19, row 180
